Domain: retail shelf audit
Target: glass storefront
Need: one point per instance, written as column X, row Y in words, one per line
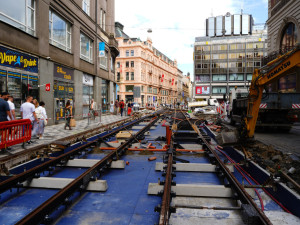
column 104, row 95
column 87, row 94
column 19, row 86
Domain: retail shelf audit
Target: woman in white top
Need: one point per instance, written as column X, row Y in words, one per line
column 112, row 105
column 42, row 116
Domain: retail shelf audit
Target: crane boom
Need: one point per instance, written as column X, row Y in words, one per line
column 264, row 76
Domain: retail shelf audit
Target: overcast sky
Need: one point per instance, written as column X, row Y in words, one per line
column 176, row 23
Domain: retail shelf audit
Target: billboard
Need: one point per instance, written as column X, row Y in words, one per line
column 202, row 90
column 245, row 24
column 236, row 24
column 211, row 26
column 219, row 25
column 228, row 25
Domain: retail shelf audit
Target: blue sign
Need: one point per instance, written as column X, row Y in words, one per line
column 18, row 60
column 182, row 94
column 101, row 49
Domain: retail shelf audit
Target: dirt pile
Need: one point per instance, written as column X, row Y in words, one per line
column 273, row 160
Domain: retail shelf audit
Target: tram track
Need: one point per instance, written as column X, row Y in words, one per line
column 247, row 203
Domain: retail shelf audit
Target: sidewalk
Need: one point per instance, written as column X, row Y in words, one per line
column 55, row 132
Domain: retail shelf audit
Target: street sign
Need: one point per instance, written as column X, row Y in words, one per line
column 136, row 92
column 47, row 87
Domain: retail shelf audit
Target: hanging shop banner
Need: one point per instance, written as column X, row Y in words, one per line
column 47, row 87
column 101, row 49
column 63, row 72
column 18, row 60
column 202, row 90
column 172, row 81
column 162, row 78
column 87, row 79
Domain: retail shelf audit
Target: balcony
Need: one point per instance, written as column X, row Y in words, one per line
column 113, row 45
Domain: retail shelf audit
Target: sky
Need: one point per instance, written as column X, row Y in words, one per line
column 176, row 23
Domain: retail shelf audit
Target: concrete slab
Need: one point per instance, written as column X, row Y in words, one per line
column 141, row 127
column 230, row 137
column 203, row 202
column 192, row 146
column 206, row 216
column 192, row 167
column 193, row 190
column 113, row 144
column 119, row 164
column 59, row 183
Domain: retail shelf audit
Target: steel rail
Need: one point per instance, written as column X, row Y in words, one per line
column 245, row 197
column 80, row 183
column 166, row 198
column 15, row 181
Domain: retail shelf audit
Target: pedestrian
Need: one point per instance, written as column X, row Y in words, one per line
column 116, row 107
column 122, row 107
column 112, row 105
column 5, row 113
column 129, row 108
column 92, row 109
column 43, row 119
column 12, row 108
column 68, row 114
column 28, row 111
column 35, row 125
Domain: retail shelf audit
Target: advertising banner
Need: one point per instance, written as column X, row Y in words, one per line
column 162, row 78
column 101, row 49
column 202, row 90
column 18, row 60
column 63, row 72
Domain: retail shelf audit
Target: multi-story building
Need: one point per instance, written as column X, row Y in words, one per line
column 144, row 74
column 58, row 51
column 283, row 35
column 227, row 56
column 180, row 92
column 186, row 88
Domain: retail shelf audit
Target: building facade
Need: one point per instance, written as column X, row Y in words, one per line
column 58, row 51
column 144, row 75
column 225, row 60
column 186, row 83
column 283, row 35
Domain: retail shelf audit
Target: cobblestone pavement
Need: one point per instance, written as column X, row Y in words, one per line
column 285, row 142
column 55, row 132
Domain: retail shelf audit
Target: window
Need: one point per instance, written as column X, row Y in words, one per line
column 289, row 38
column 241, row 55
column 129, row 88
column 103, row 60
column 127, row 52
column 59, row 32
column 118, row 64
column 206, row 57
column 249, row 77
column 256, row 64
column 236, row 77
column 154, row 90
column 118, row 76
column 132, row 63
column 20, row 14
column 223, row 47
column 240, row 46
column 258, row 45
column 132, row 75
column 232, row 56
column 233, row 47
column 127, row 75
column 219, row 77
column 142, row 88
column 103, row 20
column 219, row 90
column 132, row 52
column 127, row 64
column 112, row 63
column 149, row 89
column 249, row 54
column 215, row 56
column 86, row 6
column 223, row 56
column 202, row 78
column 86, row 48
column 249, row 45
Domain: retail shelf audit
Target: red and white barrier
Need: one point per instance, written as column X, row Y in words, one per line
column 263, row 106
column 221, row 109
column 295, row 106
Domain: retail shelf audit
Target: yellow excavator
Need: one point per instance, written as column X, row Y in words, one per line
column 273, row 71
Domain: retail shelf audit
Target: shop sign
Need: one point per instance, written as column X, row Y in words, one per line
column 18, row 60
column 63, row 72
column 101, row 49
column 202, row 90
column 47, row 87
column 87, row 79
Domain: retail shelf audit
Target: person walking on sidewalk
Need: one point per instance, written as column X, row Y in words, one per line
column 112, row 105
column 116, row 107
column 28, row 111
column 12, row 108
column 42, row 116
column 35, row 123
column 4, row 108
column 122, row 107
column 68, row 114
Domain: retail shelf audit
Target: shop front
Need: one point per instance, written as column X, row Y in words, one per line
column 104, row 96
column 63, row 91
column 18, row 75
column 88, row 94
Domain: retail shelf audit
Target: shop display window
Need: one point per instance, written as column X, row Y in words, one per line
column 2, row 81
